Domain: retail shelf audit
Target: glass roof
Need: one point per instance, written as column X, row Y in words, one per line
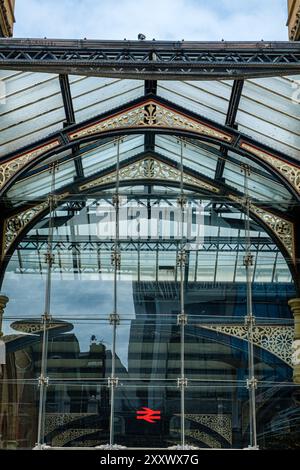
column 199, row 157
column 94, row 95
column 269, row 112
column 34, row 108
column 208, row 99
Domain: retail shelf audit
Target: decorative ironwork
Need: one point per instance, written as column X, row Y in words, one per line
column 11, row 167
column 149, row 168
column 15, row 224
column 173, row 60
column 283, row 229
column 69, row 435
column 36, row 326
column 56, row 420
column 275, row 339
column 218, row 423
column 290, row 172
column 150, row 114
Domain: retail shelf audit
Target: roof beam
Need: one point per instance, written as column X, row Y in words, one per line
column 233, row 106
column 150, row 87
column 150, row 60
column 67, row 99
column 70, row 119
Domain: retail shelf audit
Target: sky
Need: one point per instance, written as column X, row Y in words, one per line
column 201, row 20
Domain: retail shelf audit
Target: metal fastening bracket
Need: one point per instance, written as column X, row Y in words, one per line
column 181, row 201
column 115, row 199
column 116, row 259
column 112, row 381
column 248, row 260
column 251, row 383
column 43, row 381
column 46, row 318
column 182, row 382
column 249, row 320
column 246, row 169
column 181, row 257
column 182, row 319
column 49, row 258
column 114, row 319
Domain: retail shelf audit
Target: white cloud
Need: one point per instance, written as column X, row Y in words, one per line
column 160, row 19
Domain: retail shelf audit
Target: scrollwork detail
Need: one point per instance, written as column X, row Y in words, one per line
column 151, row 114
column 276, row 339
column 150, row 168
column 11, row 167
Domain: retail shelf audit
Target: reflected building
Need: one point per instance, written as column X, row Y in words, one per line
column 150, row 244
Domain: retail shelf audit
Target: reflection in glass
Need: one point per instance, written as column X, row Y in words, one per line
column 148, row 346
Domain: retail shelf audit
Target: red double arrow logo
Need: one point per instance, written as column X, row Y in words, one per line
column 148, row 415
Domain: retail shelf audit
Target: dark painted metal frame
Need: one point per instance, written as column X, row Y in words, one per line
column 65, row 142
column 152, row 60
column 75, row 194
column 149, row 61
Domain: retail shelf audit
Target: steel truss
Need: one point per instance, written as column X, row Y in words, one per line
column 152, row 59
column 224, row 244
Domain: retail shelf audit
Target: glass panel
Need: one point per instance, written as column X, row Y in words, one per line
column 216, row 415
column 148, row 341
column 208, row 99
column 104, row 156
column 202, row 158
column 262, row 186
column 39, row 183
column 268, row 112
column 77, row 415
column 33, row 109
column 132, row 405
column 94, row 95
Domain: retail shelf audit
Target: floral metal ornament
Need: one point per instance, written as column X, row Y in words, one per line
column 289, row 171
column 149, row 168
column 283, row 229
column 154, row 115
column 276, row 339
column 9, row 168
column 15, row 224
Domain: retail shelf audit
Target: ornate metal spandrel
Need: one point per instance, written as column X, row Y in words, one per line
column 290, row 172
column 274, row 339
column 71, row 434
column 220, row 423
column 150, row 114
column 204, row 437
column 15, row 224
column 9, row 168
column 55, row 421
column 153, row 169
column 283, row 229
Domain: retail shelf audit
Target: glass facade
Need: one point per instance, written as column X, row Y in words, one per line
column 147, row 269
column 131, row 326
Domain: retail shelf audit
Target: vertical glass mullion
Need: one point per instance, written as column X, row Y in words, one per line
column 46, row 318
column 182, row 317
column 250, row 320
column 114, row 318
